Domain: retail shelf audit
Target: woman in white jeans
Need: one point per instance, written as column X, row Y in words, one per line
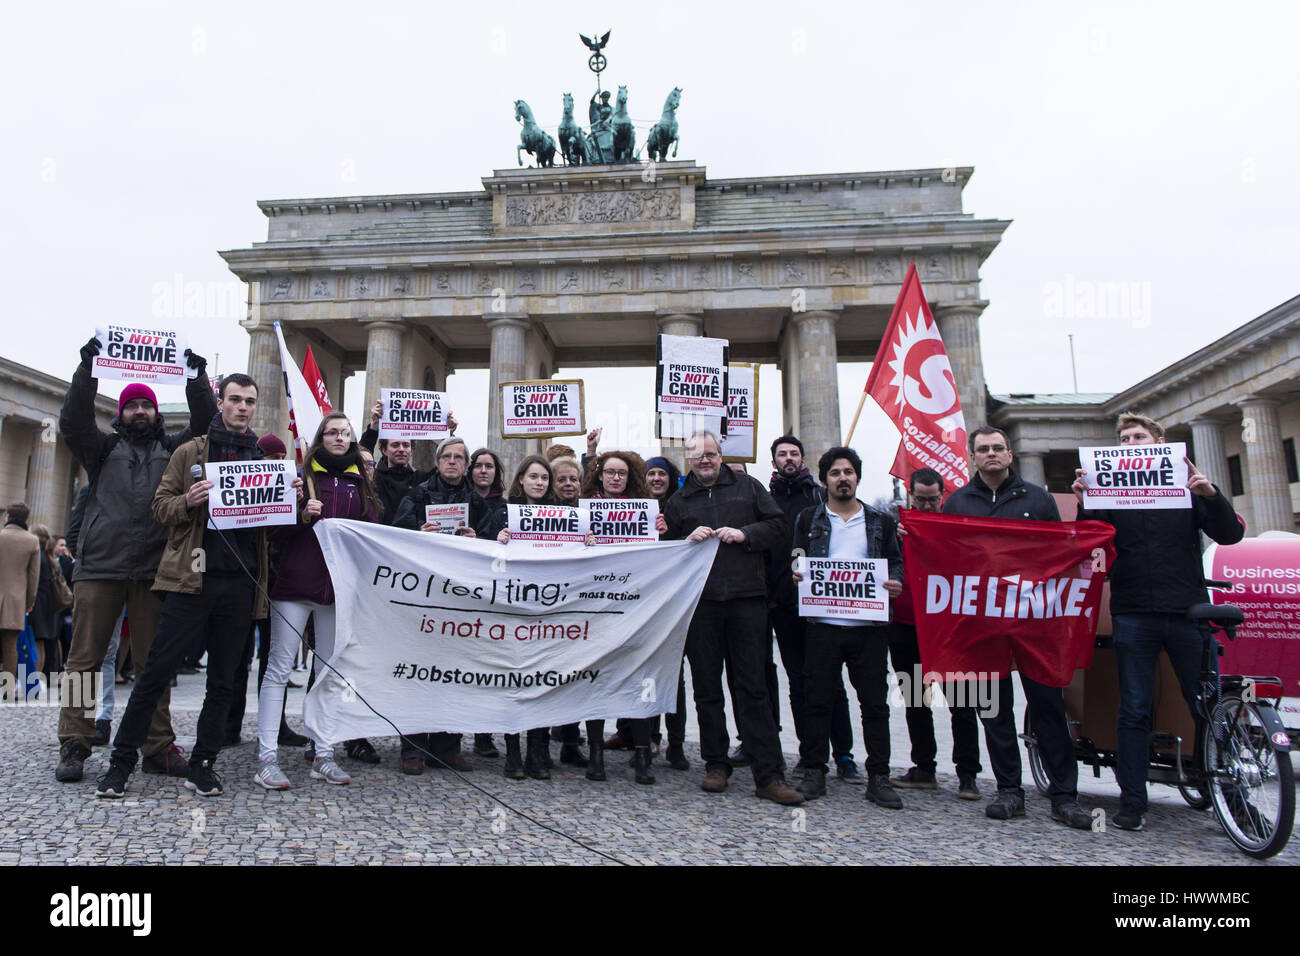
column 337, row 485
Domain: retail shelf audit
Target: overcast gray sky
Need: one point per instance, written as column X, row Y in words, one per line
column 1152, row 146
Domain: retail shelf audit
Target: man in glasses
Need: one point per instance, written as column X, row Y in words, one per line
column 730, row 622
column 996, row 491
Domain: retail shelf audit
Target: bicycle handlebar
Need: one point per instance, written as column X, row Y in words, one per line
column 1220, row 585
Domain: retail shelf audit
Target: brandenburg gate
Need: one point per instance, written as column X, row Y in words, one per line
column 576, row 266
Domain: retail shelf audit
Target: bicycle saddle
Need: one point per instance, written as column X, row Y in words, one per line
column 1220, row 615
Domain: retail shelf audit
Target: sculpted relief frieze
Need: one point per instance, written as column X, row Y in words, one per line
column 635, row 205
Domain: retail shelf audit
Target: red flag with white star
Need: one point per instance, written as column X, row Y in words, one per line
column 912, row 380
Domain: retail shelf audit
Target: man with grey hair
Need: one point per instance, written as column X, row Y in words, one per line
column 730, row 622
column 448, row 485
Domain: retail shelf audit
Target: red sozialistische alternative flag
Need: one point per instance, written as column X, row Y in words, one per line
column 304, row 413
column 993, row 594
column 912, row 380
column 316, row 382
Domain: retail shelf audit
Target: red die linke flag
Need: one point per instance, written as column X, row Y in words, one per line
column 913, row 382
column 994, row 595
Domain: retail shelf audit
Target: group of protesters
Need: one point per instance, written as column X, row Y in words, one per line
column 147, row 549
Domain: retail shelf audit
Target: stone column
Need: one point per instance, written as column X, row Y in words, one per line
column 959, row 326
column 1270, row 496
column 40, row 485
column 506, row 364
column 1032, row 467
column 264, row 367
column 677, row 323
column 817, row 354
column 383, row 358
column 789, row 380
column 1207, row 452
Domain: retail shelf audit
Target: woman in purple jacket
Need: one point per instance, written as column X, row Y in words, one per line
column 337, row 485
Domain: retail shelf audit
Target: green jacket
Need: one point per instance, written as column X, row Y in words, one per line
column 181, row 566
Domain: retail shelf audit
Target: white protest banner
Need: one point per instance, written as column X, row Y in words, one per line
column 691, row 385
column 1136, row 476
column 546, row 526
column 621, row 520
column 447, row 517
column 538, row 640
column 141, row 355
column 411, row 413
column 542, row 409
column 739, row 444
column 251, row 494
column 852, row 589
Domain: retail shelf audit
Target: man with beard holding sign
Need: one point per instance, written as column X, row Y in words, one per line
column 996, row 491
column 846, row 529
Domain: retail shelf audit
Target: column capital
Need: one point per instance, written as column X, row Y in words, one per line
column 1257, row 401
column 517, row 320
column 1207, row 420
column 381, row 322
column 669, row 316
column 973, row 307
column 831, row 314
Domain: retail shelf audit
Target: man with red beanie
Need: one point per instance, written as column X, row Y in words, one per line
column 120, row 544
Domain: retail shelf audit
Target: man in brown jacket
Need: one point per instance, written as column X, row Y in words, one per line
column 20, row 573
column 213, row 581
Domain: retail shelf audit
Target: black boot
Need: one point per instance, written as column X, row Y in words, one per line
column 641, row 763
column 535, row 762
column 570, row 754
column 596, row 761
column 514, row 768
column 677, row 758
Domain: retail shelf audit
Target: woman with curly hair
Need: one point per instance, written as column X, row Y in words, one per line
column 618, row 474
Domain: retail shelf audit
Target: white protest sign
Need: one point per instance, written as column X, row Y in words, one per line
column 411, row 413
column 544, row 409
column 691, row 385
column 135, row 354
column 447, row 517
column 621, row 520
column 546, row 526
column 251, row 494
column 848, row 588
column 435, row 633
column 742, row 413
column 1136, row 476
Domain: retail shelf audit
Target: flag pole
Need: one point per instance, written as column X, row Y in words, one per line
column 861, row 401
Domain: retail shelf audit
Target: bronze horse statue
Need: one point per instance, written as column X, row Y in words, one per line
column 573, row 144
column 624, row 134
column 533, row 138
column 665, row 131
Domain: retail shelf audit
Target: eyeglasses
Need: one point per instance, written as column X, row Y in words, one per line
column 928, row 499
column 451, row 457
column 370, row 464
column 339, row 433
column 990, row 449
column 613, row 474
column 706, row 456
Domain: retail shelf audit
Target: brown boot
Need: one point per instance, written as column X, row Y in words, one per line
column 779, row 792
column 715, row 781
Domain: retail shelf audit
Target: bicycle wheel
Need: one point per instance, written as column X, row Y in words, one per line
column 1036, row 768
column 1251, row 789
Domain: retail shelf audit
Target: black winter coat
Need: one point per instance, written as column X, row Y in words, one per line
column 1158, row 565
column 793, row 496
column 739, row 570
column 435, row 491
column 1013, row 499
column 119, row 538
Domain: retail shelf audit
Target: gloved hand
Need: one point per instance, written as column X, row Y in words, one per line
column 90, row 350
column 196, row 361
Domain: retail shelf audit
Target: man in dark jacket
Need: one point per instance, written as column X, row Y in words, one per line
column 794, row 489
column 730, row 622
column 996, row 491
column 448, row 485
column 1156, row 577
column 120, row 544
column 846, row 529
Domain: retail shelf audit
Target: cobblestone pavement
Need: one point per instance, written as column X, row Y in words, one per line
column 386, row 817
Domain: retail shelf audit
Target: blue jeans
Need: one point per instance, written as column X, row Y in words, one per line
column 1139, row 639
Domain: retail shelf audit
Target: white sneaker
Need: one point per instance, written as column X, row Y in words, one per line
column 324, row 768
column 271, row 776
